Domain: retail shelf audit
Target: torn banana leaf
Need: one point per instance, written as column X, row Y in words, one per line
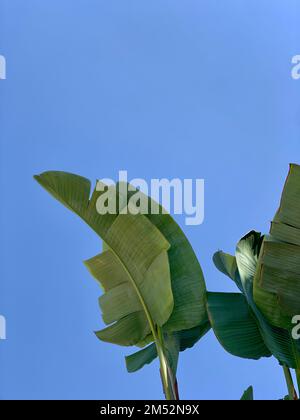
column 148, row 269
column 277, row 281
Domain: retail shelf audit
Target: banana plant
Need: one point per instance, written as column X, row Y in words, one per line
column 154, row 291
column 154, row 294
column 257, row 322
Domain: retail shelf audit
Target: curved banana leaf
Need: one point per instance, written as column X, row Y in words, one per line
column 167, row 248
column 277, row 340
column 134, row 271
column 235, row 325
column 277, row 281
column 175, row 343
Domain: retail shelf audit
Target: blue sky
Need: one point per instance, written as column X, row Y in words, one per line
column 187, row 89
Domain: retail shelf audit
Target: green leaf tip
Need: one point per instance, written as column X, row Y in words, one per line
column 248, row 394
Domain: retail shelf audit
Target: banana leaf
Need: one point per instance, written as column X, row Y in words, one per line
column 134, row 272
column 277, row 280
column 235, row 325
column 148, row 269
column 237, row 321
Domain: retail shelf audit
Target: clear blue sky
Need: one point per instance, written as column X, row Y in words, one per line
column 188, row 89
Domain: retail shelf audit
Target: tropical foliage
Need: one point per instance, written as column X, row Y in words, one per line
column 154, row 290
column 154, row 294
column 258, row 322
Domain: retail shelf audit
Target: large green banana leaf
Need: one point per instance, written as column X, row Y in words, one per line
column 147, row 264
column 277, row 280
column 134, row 271
column 236, row 320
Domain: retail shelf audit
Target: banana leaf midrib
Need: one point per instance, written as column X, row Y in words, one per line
column 135, row 286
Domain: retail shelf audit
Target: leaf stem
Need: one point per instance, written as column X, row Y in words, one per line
column 157, row 337
column 290, row 384
column 164, row 371
column 171, row 380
